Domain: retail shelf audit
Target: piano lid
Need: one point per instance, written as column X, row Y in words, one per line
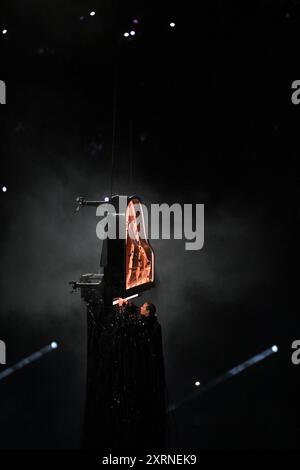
column 139, row 254
column 130, row 264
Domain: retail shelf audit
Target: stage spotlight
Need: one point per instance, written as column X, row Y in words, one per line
column 4, row 189
column 93, row 13
column 135, row 21
column 132, row 33
column 126, row 35
column 172, row 25
column 4, row 31
column 106, row 199
column 28, row 360
column 227, row 375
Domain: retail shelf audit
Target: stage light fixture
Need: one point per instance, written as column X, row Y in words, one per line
column 172, row 24
column 4, row 31
column 4, row 189
column 28, row 360
column 132, row 33
column 93, row 13
column 126, row 35
column 106, row 199
column 222, row 378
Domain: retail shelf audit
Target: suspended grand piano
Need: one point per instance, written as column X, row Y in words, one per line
column 127, row 266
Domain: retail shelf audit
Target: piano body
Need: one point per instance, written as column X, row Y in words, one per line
column 126, row 263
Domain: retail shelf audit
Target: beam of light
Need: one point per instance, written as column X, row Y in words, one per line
column 28, row 360
column 115, row 302
column 222, row 378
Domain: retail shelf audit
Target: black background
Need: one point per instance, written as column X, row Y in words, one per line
column 203, row 115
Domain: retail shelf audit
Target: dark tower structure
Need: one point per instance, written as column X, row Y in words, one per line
column 125, row 395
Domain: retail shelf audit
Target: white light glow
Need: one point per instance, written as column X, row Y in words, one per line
column 115, row 302
column 4, row 189
column 126, row 35
column 275, row 348
column 54, row 345
column 197, row 383
column 132, row 33
column 4, row 31
column 172, row 24
column 93, row 13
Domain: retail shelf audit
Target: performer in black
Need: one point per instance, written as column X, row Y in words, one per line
column 126, row 392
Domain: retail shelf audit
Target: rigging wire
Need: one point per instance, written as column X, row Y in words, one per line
column 114, row 121
column 115, row 98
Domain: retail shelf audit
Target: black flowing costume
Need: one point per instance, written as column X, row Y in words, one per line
column 125, row 406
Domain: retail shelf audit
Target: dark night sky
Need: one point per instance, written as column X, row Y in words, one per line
column 205, row 116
